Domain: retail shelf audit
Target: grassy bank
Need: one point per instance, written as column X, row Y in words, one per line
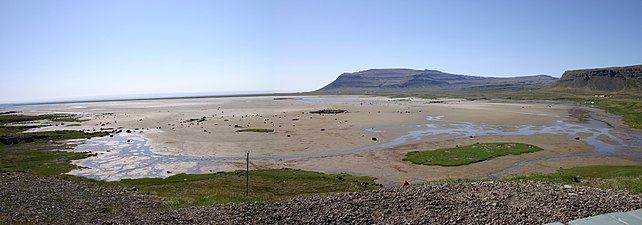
column 465, row 155
column 15, row 139
column 39, row 162
column 630, row 110
column 184, row 190
column 628, row 178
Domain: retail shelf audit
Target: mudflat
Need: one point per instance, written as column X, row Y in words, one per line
column 370, row 138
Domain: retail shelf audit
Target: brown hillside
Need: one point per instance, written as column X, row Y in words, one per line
column 603, row 79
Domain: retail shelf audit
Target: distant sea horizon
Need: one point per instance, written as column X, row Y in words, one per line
column 4, row 104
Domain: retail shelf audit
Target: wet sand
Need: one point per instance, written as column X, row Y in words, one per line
column 345, row 143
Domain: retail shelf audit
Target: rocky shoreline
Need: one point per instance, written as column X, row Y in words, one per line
column 32, row 199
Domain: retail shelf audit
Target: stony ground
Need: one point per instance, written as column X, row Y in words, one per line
column 32, row 199
column 51, row 200
column 470, row 203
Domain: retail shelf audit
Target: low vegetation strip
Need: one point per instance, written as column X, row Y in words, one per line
column 39, row 162
column 36, row 137
column 11, row 135
column 330, row 111
column 183, row 190
column 259, row 130
column 628, row 178
column 7, row 118
column 468, row 154
column 630, row 110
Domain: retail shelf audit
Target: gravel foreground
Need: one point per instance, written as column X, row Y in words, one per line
column 32, row 199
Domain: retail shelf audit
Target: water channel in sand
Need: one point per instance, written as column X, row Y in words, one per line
column 129, row 155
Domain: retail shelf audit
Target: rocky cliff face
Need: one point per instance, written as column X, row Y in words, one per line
column 603, row 79
column 391, row 79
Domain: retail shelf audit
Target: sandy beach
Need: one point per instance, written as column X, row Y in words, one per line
column 371, row 138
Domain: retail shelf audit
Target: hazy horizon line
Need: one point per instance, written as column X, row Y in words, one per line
column 146, row 96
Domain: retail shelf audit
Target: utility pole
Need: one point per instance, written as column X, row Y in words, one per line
column 247, row 173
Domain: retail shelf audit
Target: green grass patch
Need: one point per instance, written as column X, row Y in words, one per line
column 630, row 110
column 41, row 137
column 39, row 162
column 10, row 130
column 604, row 171
column 260, row 130
column 468, row 154
column 628, row 178
column 330, row 111
column 183, row 190
column 17, row 118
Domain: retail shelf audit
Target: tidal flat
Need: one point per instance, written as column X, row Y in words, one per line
column 364, row 135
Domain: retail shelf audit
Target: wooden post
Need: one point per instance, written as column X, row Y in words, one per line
column 247, row 173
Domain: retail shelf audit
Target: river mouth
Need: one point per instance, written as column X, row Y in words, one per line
column 130, row 155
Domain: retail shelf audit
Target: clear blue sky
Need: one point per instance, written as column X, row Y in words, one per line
column 65, row 49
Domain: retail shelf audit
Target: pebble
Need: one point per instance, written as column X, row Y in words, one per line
column 498, row 202
column 33, row 199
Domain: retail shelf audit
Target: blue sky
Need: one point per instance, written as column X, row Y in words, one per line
column 68, row 49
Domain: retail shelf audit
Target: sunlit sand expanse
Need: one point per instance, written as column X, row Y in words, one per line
column 199, row 135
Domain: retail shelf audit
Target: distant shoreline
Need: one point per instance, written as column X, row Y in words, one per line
column 160, row 98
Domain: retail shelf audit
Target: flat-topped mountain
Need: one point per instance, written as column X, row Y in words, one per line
column 428, row 80
column 603, row 79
